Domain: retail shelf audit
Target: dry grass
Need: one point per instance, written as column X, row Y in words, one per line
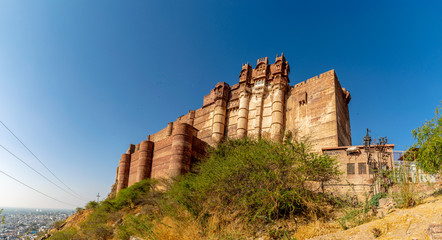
column 316, row 228
column 74, row 221
column 171, row 229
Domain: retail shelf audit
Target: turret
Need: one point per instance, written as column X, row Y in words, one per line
column 181, row 150
column 221, row 92
column 144, row 160
column 261, row 69
column 280, row 67
column 246, row 74
column 123, row 171
column 280, row 70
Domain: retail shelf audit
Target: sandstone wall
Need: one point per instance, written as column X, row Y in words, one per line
column 342, row 114
column 317, row 110
column 161, row 156
column 166, row 158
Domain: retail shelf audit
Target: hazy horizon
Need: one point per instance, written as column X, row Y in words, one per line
column 7, row 209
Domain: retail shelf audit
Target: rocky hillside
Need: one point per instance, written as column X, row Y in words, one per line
column 250, row 189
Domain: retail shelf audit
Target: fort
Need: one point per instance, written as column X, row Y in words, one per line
column 262, row 104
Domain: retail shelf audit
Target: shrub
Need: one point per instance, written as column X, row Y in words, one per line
column 69, row 233
column 354, row 217
column 374, row 201
column 79, row 209
column 257, row 179
column 58, row 224
column 405, row 197
column 97, row 231
column 131, row 196
column 139, row 225
column 92, row 205
column 97, row 226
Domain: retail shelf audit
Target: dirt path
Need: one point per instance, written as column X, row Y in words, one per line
column 410, row 224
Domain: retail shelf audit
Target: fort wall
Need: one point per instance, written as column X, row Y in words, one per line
column 261, row 105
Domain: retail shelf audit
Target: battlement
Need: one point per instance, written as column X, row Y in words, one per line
column 276, row 71
column 280, row 58
column 329, row 75
column 264, row 60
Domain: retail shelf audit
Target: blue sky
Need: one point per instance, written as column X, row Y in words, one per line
column 81, row 80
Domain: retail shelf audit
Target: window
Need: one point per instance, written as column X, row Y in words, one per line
column 350, row 168
column 362, row 168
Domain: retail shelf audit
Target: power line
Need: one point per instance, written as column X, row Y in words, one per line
column 38, row 172
column 37, row 190
column 39, row 160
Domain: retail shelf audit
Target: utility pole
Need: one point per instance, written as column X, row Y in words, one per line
column 383, row 157
column 98, row 197
column 370, row 161
column 379, row 164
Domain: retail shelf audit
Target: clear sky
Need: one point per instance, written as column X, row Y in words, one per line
column 81, row 80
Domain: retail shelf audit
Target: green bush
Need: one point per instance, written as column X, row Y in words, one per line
column 57, row 224
column 374, row 201
column 79, row 209
column 257, row 179
column 92, row 205
column 65, row 234
column 96, row 226
column 131, row 196
column 98, row 231
column 354, row 217
column 136, row 225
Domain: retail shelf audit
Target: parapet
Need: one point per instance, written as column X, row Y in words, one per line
column 322, row 76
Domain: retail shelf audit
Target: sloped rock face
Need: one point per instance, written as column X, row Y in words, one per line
column 73, row 221
column 421, row 222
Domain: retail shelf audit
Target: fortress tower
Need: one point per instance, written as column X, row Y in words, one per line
column 261, row 104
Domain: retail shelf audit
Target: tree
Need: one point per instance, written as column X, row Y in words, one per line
column 429, row 144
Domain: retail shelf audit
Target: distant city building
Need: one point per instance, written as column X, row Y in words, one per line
column 26, row 223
